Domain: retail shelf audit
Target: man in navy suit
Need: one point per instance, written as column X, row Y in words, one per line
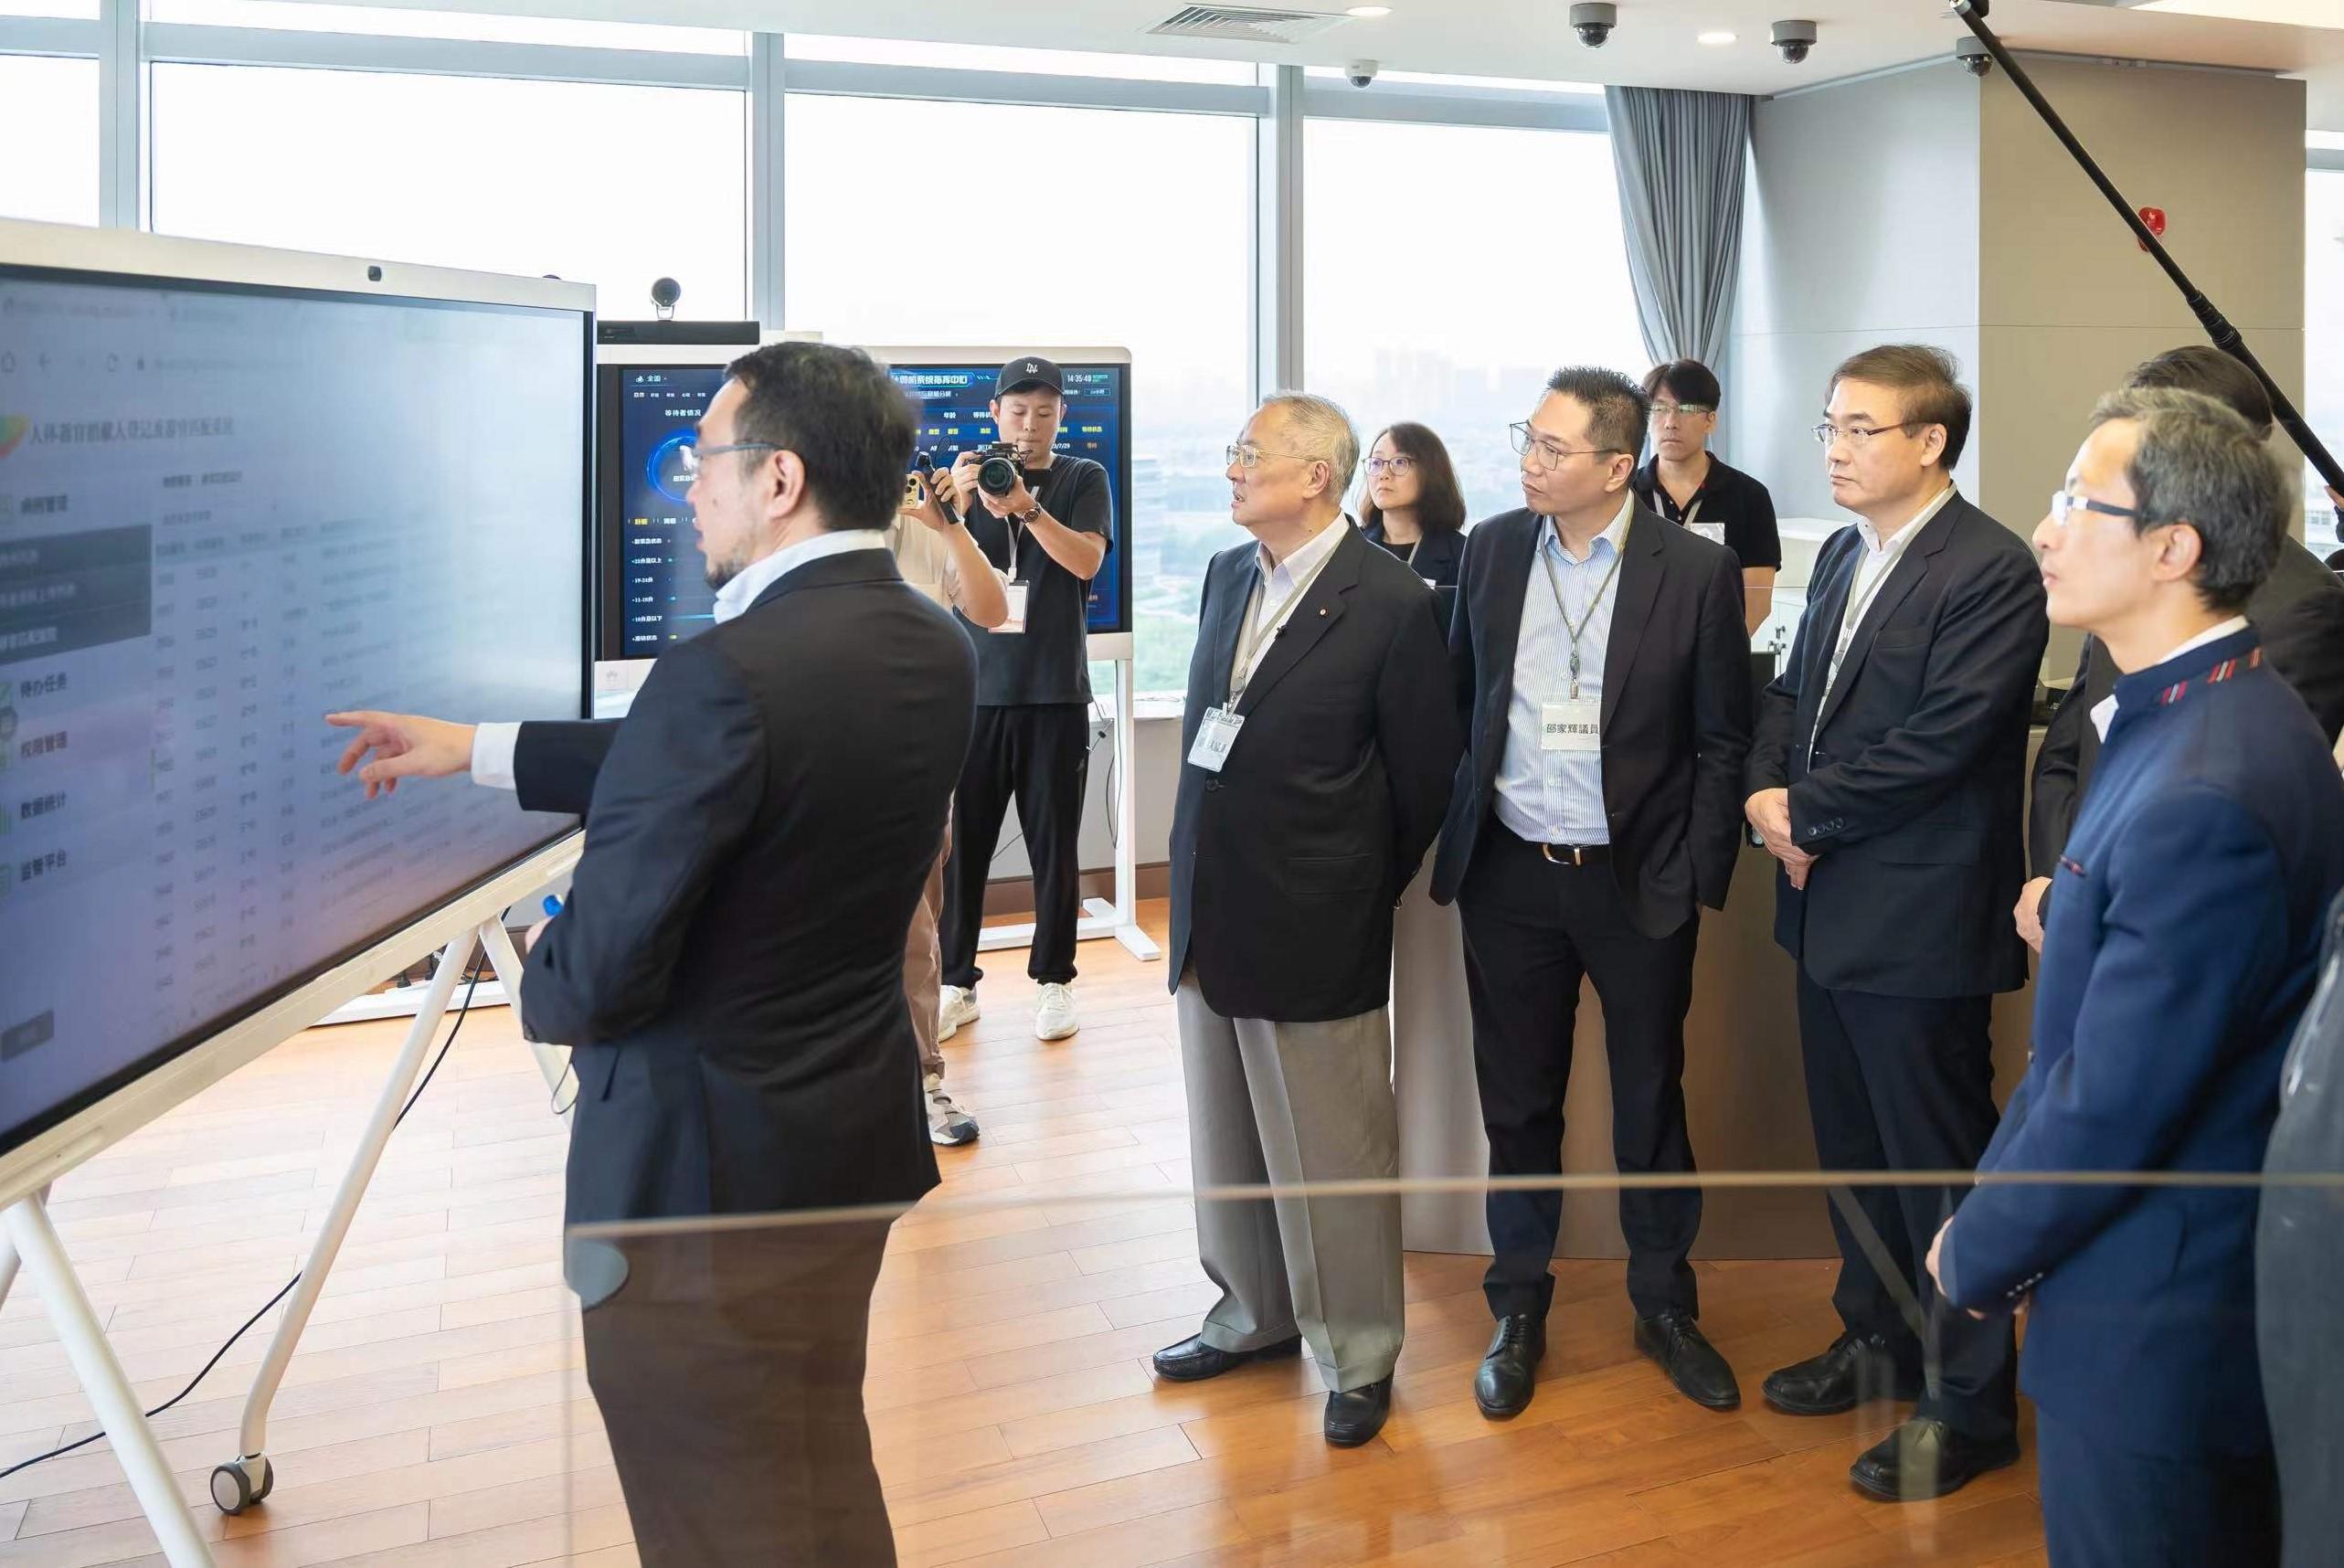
column 1887, row 777
column 2182, row 945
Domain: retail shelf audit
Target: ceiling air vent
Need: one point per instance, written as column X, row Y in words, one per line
column 1245, row 24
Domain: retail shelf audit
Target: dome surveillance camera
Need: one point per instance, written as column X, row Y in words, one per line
column 1796, row 40
column 1359, row 73
column 1593, row 22
column 1971, row 53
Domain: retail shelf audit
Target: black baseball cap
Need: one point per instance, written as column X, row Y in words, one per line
column 1030, row 370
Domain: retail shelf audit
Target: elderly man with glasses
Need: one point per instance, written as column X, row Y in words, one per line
column 1319, row 741
column 1601, row 662
column 1887, row 777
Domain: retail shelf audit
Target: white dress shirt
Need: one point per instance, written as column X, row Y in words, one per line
column 1278, row 594
column 493, row 744
column 1557, row 797
column 2104, row 712
column 1872, row 569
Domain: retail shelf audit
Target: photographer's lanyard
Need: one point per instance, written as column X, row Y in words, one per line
column 1555, row 582
column 1260, row 629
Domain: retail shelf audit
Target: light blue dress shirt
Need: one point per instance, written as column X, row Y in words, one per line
column 1557, row 797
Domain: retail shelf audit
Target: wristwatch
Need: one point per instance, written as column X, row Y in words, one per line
column 1025, row 518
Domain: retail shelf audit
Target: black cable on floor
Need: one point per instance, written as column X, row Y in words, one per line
column 457, row 1029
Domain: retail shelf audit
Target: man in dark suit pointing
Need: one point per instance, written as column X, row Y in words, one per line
column 1887, row 777
column 730, row 968
column 1601, row 662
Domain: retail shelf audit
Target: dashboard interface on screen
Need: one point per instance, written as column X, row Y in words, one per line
column 224, row 513
column 656, row 591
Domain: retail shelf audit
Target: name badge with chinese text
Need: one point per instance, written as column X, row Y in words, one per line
column 1570, row 726
column 1214, row 737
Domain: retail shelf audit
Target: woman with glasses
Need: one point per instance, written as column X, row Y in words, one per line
column 1414, row 507
column 1684, row 483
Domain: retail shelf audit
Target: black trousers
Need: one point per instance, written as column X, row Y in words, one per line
column 1532, row 930
column 1039, row 757
column 729, row 1373
column 2105, row 1508
column 1898, row 1082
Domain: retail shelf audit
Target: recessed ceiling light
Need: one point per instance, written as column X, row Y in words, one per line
column 1717, row 39
column 1369, row 11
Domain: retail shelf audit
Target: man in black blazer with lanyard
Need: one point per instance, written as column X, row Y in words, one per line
column 1600, row 659
column 728, row 970
column 1888, row 777
column 2298, row 609
column 1319, row 740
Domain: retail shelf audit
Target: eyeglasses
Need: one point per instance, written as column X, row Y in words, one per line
column 1662, row 412
column 1857, row 435
column 2064, row 506
column 1395, row 466
column 689, row 459
column 1545, row 454
column 1244, row 456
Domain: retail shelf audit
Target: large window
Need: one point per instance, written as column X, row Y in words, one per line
column 1447, row 270
column 2323, row 299
column 605, row 185
column 300, row 15
column 49, row 139
column 1035, row 62
column 1080, row 227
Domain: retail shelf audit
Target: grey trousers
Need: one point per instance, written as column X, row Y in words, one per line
column 1293, row 1103
column 924, row 964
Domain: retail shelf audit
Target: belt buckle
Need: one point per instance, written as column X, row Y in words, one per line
column 1548, row 851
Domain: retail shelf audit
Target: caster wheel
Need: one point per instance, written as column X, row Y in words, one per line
column 232, row 1487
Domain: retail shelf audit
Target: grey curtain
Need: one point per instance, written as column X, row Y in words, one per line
column 1680, row 158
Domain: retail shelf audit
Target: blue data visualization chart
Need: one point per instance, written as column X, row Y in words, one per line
column 954, row 400
column 656, row 589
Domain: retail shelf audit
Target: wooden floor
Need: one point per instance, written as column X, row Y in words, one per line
column 436, row 1415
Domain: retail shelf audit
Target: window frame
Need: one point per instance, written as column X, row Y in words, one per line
column 1280, row 103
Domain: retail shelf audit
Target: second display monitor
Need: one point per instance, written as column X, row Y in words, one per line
column 654, row 591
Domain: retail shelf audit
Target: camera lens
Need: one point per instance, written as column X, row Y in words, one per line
column 997, row 476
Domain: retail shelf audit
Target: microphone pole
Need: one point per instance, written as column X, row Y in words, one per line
column 2224, row 335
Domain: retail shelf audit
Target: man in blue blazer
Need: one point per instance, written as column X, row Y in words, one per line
column 2182, row 945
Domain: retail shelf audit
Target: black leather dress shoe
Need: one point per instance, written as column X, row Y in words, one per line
column 1856, row 1368
column 1508, row 1374
column 1193, row 1360
column 1356, row 1417
column 1925, row 1458
column 1692, row 1363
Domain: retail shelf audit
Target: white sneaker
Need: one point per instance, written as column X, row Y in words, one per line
column 947, row 1124
column 1054, row 1015
column 955, row 1005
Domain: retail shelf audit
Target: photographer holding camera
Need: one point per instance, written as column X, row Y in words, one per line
column 1045, row 522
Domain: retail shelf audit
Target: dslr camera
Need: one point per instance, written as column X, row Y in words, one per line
column 997, row 467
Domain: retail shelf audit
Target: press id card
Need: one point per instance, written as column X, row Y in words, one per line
column 1214, row 737
column 1016, row 594
column 1712, row 531
column 1570, row 726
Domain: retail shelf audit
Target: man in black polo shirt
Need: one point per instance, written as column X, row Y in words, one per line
column 1049, row 536
column 1685, row 485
